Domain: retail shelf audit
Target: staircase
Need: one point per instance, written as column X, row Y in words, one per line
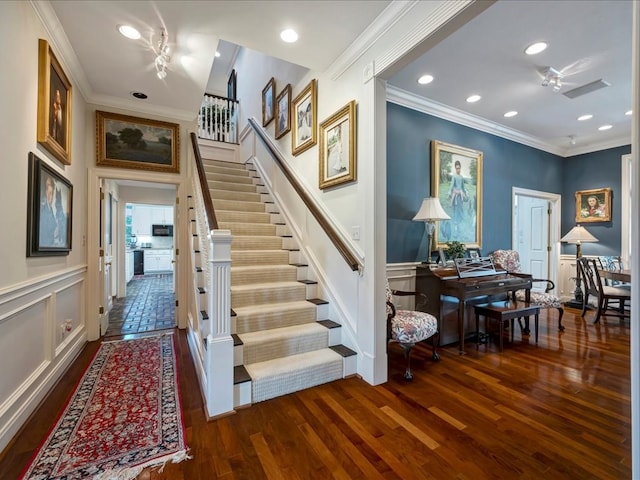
column 283, row 339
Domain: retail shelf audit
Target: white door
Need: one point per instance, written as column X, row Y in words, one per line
column 106, row 258
column 533, row 237
column 536, row 222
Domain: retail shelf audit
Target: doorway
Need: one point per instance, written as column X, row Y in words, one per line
column 535, row 234
column 142, row 301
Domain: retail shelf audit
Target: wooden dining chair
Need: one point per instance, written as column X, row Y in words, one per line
column 588, row 271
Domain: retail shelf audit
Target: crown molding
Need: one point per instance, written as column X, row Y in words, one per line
column 421, row 104
column 142, row 108
column 62, row 47
column 380, row 25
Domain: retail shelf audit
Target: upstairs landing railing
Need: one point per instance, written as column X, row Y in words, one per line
column 218, row 119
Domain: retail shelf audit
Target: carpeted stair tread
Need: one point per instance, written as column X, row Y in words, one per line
column 259, row 257
column 262, row 273
column 230, row 180
column 280, row 376
column 241, row 205
column 231, row 187
column 253, row 242
column 231, row 195
column 242, row 217
column 273, row 315
column 238, row 228
column 265, row 293
column 283, row 342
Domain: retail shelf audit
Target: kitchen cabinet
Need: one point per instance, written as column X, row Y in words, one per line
column 141, row 220
column 158, row 260
column 162, row 215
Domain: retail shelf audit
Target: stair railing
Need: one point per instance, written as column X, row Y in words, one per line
column 213, row 307
column 336, row 239
column 218, row 119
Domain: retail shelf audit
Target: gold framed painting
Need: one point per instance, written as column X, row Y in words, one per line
column 283, row 112
column 593, row 205
column 54, row 105
column 138, row 143
column 456, row 180
column 268, row 105
column 304, row 124
column 338, row 147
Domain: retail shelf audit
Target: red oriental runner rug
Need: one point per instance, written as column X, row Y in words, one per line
column 125, row 415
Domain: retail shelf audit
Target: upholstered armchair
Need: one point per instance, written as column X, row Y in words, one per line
column 509, row 260
column 408, row 327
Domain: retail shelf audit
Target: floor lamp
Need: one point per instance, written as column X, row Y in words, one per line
column 577, row 235
column 430, row 211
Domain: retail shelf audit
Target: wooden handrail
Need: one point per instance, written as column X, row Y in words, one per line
column 204, row 186
column 306, row 198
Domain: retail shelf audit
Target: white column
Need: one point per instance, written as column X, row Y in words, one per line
column 219, row 350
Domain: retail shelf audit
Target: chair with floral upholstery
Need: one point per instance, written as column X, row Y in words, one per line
column 509, row 260
column 408, row 327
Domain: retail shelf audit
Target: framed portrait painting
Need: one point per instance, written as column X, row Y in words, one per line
column 593, row 205
column 304, row 124
column 338, row 147
column 49, row 210
column 268, row 104
column 138, row 143
column 283, row 112
column 54, row 105
column 456, row 180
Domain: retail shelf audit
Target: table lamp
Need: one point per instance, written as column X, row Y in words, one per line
column 577, row 235
column 430, row 211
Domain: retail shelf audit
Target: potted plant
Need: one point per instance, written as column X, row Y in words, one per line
column 455, row 249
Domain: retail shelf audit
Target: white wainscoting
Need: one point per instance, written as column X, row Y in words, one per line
column 402, row 276
column 42, row 330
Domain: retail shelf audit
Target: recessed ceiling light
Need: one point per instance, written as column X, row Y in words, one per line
column 605, row 127
column 129, row 32
column 289, row 35
column 629, row 112
column 582, row 118
column 535, row 48
column 510, row 114
column 139, row 95
column 424, row 79
column 473, row 98
column 217, row 54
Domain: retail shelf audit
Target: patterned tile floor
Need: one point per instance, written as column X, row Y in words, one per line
column 149, row 305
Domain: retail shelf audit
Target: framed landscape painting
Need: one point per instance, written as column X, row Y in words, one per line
column 138, row 143
column 54, row 105
column 49, row 210
column 593, row 205
column 456, row 179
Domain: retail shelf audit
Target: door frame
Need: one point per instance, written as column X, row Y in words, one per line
column 94, row 261
column 555, row 201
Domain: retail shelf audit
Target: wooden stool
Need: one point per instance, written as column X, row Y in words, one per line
column 506, row 311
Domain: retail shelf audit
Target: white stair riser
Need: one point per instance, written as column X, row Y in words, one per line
column 242, row 394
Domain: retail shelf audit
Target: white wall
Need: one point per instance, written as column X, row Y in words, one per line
column 37, row 294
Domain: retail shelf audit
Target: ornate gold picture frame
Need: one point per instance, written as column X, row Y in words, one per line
column 304, row 124
column 268, row 102
column 593, row 205
column 338, row 147
column 54, row 105
column 456, row 179
column 138, row 143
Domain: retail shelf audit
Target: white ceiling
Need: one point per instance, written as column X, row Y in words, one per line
column 588, row 40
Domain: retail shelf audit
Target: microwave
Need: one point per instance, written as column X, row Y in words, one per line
column 162, row 230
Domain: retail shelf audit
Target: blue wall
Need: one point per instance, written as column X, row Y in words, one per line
column 585, row 172
column 506, row 164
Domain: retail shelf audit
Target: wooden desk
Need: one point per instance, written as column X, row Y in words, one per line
column 620, row 275
column 440, row 282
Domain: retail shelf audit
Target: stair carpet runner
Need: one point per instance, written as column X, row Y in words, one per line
column 286, row 341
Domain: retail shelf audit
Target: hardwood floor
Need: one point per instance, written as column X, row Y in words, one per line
column 558, row 410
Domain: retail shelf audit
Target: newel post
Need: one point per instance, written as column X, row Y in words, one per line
column 219, row 342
